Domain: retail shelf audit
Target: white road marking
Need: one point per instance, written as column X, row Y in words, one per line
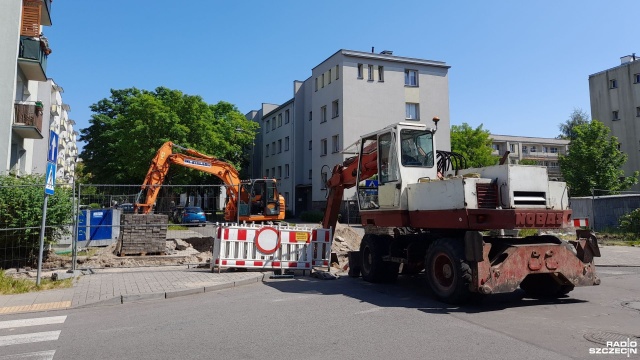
column 32, row 322
column 40, row 355
column 29, row 338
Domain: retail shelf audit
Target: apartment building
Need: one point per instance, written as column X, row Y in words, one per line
column 349, row 94
column 615, row 101
column 30, row 103
column 543, row 151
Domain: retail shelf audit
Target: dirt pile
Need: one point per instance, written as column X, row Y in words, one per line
column 178, row 251
column 345, row 239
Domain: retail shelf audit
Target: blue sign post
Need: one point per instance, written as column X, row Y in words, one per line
column 49, row 189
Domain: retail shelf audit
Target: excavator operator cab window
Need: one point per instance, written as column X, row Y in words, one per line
column 388, row 159
column 416, row 148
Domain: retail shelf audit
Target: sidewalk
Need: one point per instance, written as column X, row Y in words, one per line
column 123, row 285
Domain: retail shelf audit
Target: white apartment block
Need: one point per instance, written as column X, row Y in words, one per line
column 30, row 103
column 615, row 101
column 349, row 94
column 544, row 151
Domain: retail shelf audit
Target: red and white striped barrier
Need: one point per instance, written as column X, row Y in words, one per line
column 257, row 246
column 580, row 222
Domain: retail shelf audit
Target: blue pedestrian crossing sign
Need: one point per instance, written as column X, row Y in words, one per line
column 49, row 187
column 52, row 154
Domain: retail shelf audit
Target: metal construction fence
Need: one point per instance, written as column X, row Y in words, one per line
column 604, row 209
column 21, row 215
column 85, row 220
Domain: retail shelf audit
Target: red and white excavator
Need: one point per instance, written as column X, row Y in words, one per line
column 247, row 200
column 421, row 210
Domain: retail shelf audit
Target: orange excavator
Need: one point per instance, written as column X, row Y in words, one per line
column 247, row 200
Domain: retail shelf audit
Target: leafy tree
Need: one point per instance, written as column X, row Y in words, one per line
column 577, row 117
column 473, row 144
column 21, row 201
column 594, row 161
column 127, row 129
column 528, row 162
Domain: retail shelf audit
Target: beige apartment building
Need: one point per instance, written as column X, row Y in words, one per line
column 349, row 94
column 615, row 101
column 544, row 151
column 30, row 103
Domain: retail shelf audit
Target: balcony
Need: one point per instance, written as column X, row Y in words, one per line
column 32, row 58
column 28, row 120
column 45, row 14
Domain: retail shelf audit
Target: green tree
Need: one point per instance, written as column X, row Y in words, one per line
column 127, row 129
column 577, row 117
column 594, row 161
column 473, row 144
column 528, row 162
column 21, row 201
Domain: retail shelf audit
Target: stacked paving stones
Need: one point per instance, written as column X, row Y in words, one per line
column 142, row 234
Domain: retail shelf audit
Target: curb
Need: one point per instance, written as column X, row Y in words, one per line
column 122, row 299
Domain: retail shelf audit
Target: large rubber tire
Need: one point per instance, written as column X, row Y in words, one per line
column 372, row 249
column 448, row 274
column 541, row 286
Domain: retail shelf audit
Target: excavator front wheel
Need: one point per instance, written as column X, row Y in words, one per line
column 374, row 269
column 448, row 274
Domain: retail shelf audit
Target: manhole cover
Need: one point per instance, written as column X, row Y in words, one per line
column 635, row 305
column 602, row 337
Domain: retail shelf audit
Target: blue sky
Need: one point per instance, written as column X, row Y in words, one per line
column 517, row 67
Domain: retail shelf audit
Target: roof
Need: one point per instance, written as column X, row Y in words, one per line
column 527, row 139
column 386, row 57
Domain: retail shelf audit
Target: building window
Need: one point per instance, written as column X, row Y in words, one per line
column 334, row 109
column 512, row 147
column 616, row 115
column 613, row 83
column 329, row 76
column 495, row 147
column 637, row 111
column 279, row 172
column 524, row 149
column 268, row 123
column 411, row 77
column 324, row 181
column 286, row 170
column 310, row 172
column 533, row 149
column 322, row 84
column 335, row 143
column 316, row 84
column 286, row 116
column 323, row 114
column 553, row 164
column 636, row 78
column 359, row 71
column 267, row 151
column 286, row 143
column 554, row 150
column 279, row 146
column 279, row 120
column 619, row 146
column 337, row 72
column 545, row 149
column 412, row 111
column 273, row 148
column 273, row 123
column 286, row 199
column 273, row 171
column 370, row 72
column 323, row 147
column 310, row 115
column 309, row 144
column 380, row 73
column 266, row 174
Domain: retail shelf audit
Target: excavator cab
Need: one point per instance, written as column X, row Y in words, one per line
column 259, row 197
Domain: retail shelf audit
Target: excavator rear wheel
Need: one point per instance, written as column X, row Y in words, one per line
column 374, row 269
column 448, row 274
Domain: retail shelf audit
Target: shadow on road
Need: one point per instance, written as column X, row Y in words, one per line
column 409, row 292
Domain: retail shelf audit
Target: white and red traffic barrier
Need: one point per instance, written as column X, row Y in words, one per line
column 269, row 247
column 581, row 223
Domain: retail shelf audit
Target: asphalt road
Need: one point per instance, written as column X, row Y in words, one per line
column 306, row 318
